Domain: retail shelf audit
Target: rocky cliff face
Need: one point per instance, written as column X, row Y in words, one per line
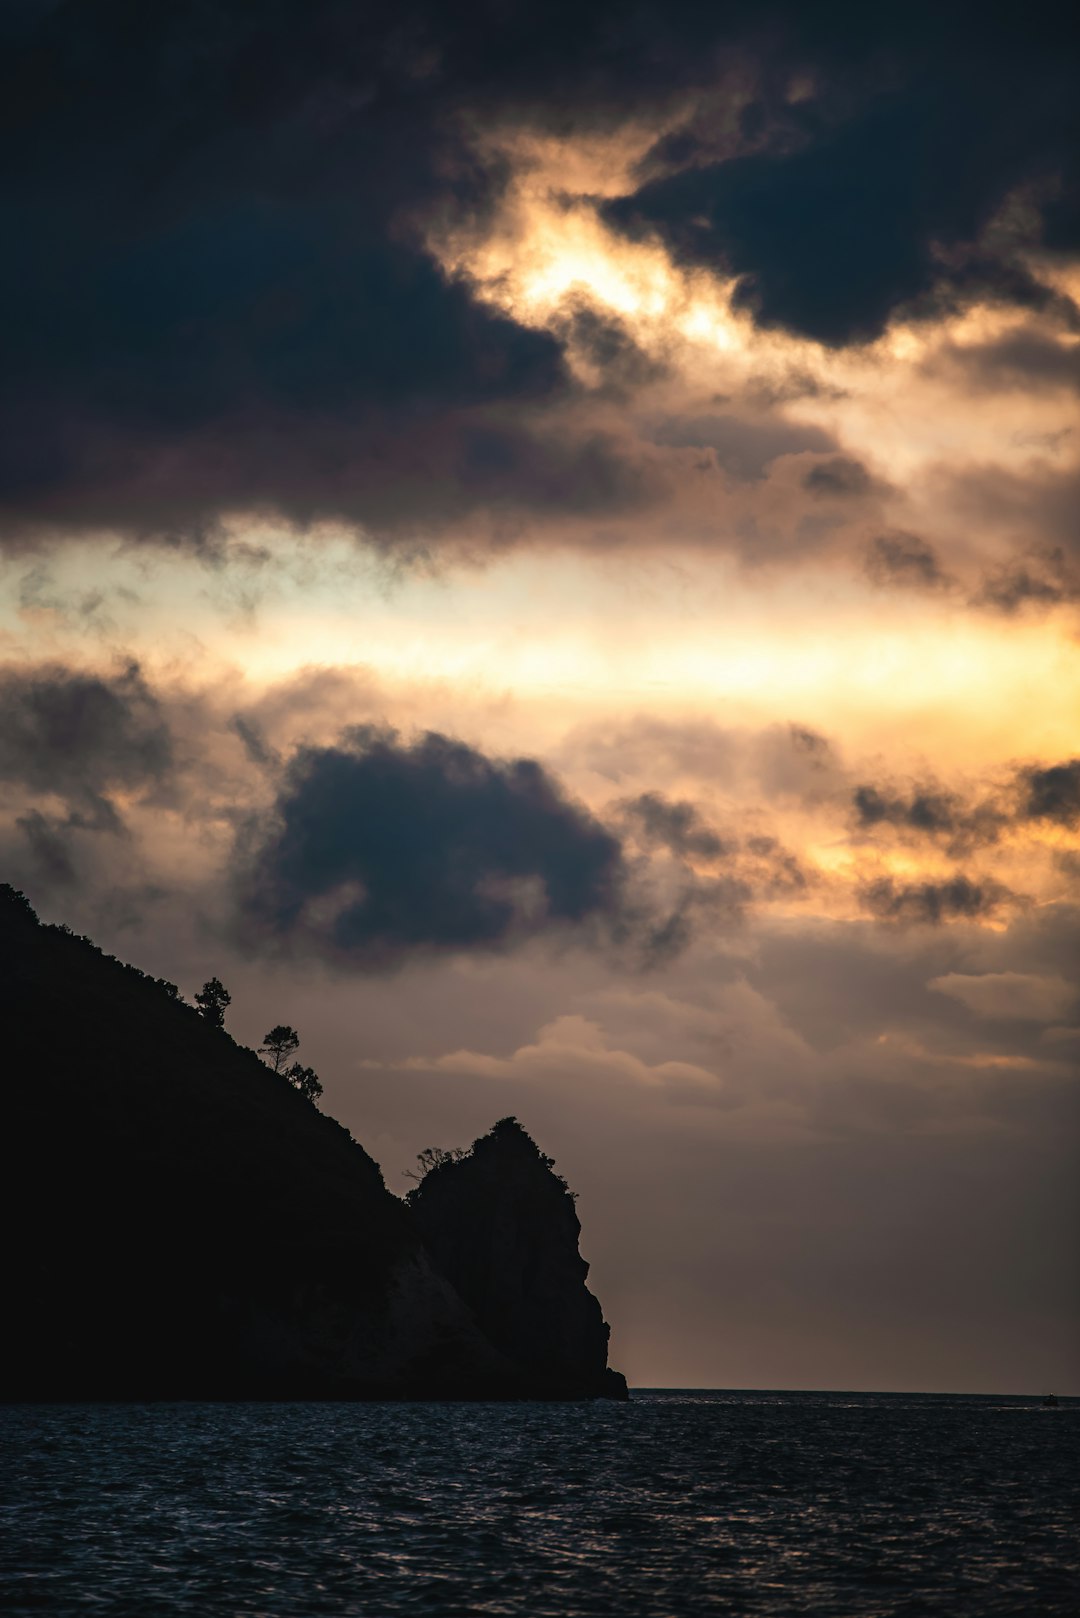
column 182, row 1224
column 502, row 1227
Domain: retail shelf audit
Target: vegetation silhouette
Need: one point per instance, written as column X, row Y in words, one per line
column 212, row 1000
column 433, row 1157
column 277, row 1046
column 306, row 1080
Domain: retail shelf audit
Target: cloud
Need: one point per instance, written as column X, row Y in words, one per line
column 79, row 736
column 1022, row 995
column 782, row 760
column 1023, row 360
column 676, row 825
column 1029, row 793
column 378, row 849
column 873, row 192
column 1053, row 793
column 772, row 870
column 605, row 346
column 254, row 321
column 728, row 1049
column 1031, row 510
column 744, row 447
column 257, row 749
column 80, row 754
column 251, row 320
column 576, row 1047
column 671, row 902
column 1042, row 578
column 926, row 810
column 957, row 898
column 51, row 856
column 905, row 561
column 840, row 478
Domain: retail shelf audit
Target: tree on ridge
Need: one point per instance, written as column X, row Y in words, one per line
column 211, row 1000
column 278, row 1045
column 306, row 1080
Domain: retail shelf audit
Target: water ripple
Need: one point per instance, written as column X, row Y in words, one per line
column 668, row 1507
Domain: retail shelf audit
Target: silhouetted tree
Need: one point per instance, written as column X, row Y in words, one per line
column 433, row 1157
column 211, row 1000
column 278, row 1045
column 306, row 1080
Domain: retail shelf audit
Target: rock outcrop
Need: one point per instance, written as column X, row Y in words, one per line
column 182, row 1224
column 502, row 1227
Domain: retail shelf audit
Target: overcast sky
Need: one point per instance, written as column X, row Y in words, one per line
column 539, row 544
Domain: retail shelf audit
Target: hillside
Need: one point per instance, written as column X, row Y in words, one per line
column 182, row 1223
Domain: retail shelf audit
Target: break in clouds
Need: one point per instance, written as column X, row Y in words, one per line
column 227, row 310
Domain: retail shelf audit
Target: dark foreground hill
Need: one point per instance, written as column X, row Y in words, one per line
column 180, row 1223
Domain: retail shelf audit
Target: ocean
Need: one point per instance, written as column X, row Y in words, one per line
column 673, row 1505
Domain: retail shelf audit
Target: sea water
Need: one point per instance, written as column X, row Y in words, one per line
column 672, row 1505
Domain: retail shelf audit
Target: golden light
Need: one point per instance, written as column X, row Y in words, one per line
column 904, row 404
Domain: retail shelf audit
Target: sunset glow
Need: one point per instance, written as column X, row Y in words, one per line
column 659, row 478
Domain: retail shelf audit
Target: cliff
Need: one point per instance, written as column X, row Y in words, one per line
column 183, row 1224
column 502, row 1227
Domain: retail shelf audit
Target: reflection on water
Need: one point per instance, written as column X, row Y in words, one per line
column 673, row 1505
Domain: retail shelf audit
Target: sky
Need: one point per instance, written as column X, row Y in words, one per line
column 539, row 544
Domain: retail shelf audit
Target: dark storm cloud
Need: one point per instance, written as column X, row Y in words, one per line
column 378, row 849
column 1026, row 795
column 79, row 736
column 76, row 738
column 838, row 479
column 543, row 470
column 221, row 300
column 676, row 825
column 1042, row 578
column 905, row 561
column 1053, row 793
column 926, row 810
column 933, row 903
column 962, row 823
column 214, row 212
column 871, row 192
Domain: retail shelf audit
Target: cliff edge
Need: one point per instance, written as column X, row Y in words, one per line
column 182, row 1223
column 501, row 1225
